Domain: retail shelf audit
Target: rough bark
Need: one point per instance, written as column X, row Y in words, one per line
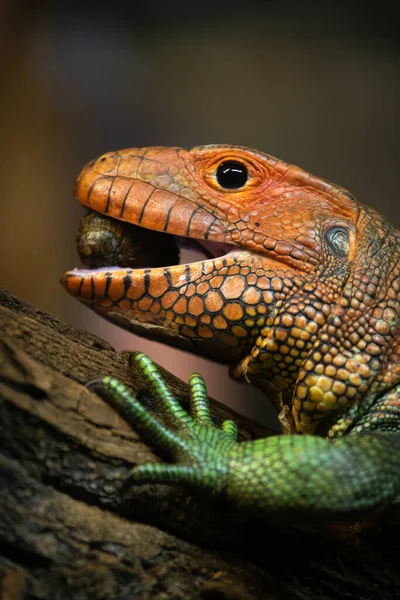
column 67, row 532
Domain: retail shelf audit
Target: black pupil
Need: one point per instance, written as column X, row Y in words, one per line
column 231, row 175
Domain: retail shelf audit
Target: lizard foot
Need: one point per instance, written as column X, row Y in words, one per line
column 192, row 441
column 347, row 476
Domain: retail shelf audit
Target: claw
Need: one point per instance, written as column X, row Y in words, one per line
column 95, row 385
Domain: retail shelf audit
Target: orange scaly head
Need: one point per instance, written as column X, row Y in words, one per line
column 284, row 246
column 218, row 193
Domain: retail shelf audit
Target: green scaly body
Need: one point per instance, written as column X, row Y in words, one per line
column 343, row 477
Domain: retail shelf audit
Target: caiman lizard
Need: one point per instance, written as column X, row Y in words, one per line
column 301, row 295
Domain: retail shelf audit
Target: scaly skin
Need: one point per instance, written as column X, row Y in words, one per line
column 306, row 303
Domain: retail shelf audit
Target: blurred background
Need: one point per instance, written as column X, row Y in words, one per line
column 314, row 83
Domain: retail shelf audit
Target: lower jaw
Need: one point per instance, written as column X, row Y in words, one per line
column 164, row 304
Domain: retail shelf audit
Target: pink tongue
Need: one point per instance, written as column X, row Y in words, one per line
column 212, row 249
column 216, row 249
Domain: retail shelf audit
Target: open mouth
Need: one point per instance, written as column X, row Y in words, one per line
column 135, row 278
column 156, row 260
column 107, row 244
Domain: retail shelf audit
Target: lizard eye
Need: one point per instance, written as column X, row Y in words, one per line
column 231, row 175
column 338, row 240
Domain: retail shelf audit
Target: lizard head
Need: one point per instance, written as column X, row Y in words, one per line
column 281, row 244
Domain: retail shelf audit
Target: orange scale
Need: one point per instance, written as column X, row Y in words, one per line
column 196, row 306
column 116, row 290
column 169, row 299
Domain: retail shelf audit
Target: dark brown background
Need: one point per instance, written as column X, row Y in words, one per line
column 314, row 83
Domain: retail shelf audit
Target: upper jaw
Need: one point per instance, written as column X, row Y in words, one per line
column 146, row 191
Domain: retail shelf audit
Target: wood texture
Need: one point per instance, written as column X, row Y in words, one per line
column 67, row 532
